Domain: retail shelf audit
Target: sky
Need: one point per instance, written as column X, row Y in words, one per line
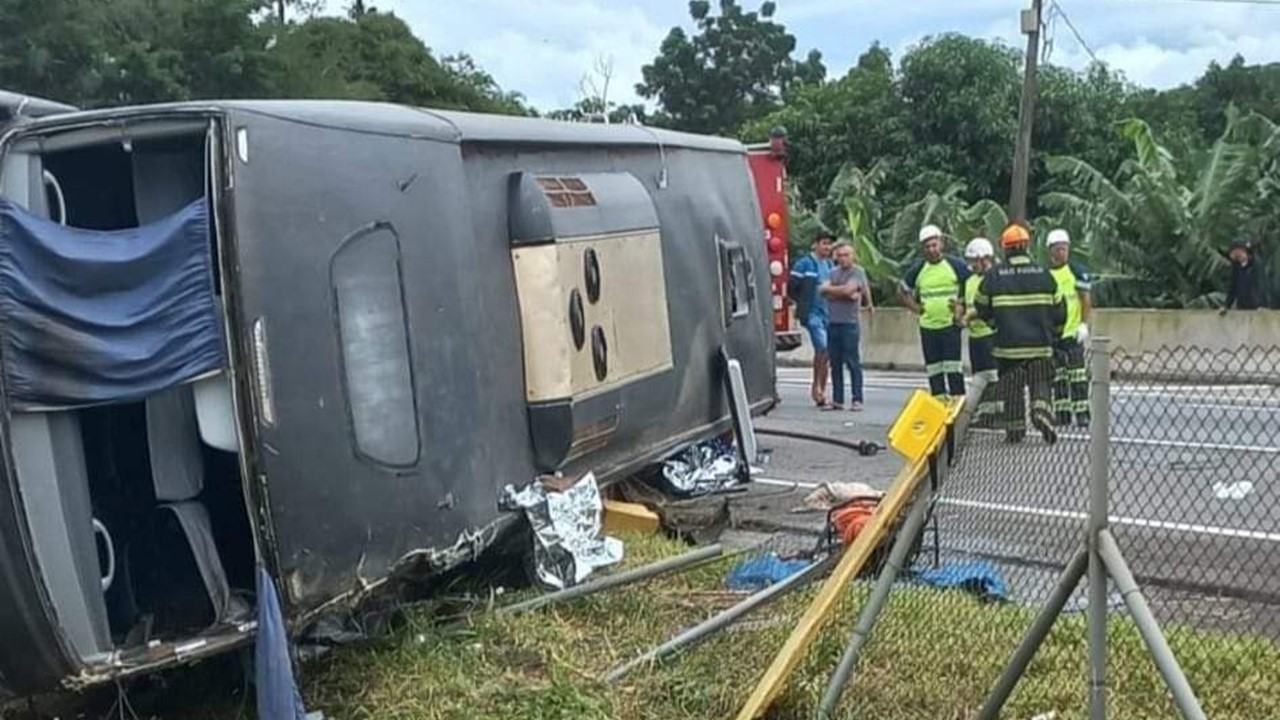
column 543, row 48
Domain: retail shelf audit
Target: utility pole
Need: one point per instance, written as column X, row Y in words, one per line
column 1026, row 114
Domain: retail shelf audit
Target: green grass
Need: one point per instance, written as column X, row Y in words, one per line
column 934, row 656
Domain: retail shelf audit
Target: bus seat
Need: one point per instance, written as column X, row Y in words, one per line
column 184, row 584
column 173, row 444
column 178, row 575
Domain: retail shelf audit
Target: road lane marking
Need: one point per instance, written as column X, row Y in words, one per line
column 786, row 483
column 1187, row 444
column 1192, row 528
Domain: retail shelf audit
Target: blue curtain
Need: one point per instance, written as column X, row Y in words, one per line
column 91, row 316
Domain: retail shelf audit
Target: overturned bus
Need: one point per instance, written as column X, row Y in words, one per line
column 320, row 338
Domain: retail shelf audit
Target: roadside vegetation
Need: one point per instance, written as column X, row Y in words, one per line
column 934, row 655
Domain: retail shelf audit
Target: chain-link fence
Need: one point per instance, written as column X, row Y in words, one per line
column 1193, row 504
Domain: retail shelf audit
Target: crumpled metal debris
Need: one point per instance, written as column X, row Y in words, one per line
column 701, row 469
column 566, row 524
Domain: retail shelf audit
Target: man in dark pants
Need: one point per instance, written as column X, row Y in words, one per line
column 847, row 293
column 1071, row 377
column 933, row 288
column 1022, row 300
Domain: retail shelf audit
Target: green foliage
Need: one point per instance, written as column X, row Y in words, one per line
column 91, row 53
column 1160, row 240
column 734, row 69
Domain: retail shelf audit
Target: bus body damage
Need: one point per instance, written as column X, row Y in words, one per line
column 321, row 338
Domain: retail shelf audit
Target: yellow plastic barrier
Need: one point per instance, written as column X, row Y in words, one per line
column 920, row 430
column 918, row 427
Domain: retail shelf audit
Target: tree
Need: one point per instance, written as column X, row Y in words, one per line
column 1161, row 240
column 961, row 96
column 857, row 119
column 130, row 51
column 52, row 49
column 735, row 68
column 375, row 56
column 593, row 103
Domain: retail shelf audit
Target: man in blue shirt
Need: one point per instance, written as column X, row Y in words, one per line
column 807, row 275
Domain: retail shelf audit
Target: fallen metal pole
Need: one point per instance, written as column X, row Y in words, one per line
column 875, row 603
column 711, row 552
column 723, row 619
column 1035, row 636
column 1183, row 695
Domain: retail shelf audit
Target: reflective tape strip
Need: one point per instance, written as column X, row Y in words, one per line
column 1022, row 300
column 1023, row 353
column 938, row 368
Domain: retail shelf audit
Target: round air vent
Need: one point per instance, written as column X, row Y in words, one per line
column 577, row 321
column 599, row 353
column 591, row 265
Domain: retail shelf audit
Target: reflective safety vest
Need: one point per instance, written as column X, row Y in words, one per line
column 979, row 328
column 1072, row 280
column 935, row 285
column 1022, row 299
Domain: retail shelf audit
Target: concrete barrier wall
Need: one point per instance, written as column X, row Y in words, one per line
column 890, row 341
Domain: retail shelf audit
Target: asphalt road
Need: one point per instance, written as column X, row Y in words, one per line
column 1194, row 501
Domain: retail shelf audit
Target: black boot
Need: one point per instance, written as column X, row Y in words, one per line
column 1063, row 418
column 1082, row 421
column 1013, row 437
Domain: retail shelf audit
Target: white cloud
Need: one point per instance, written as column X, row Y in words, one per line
column 541, row 49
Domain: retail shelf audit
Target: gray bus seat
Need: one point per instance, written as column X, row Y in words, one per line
column 178, row 536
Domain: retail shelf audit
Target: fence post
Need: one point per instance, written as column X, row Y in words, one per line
column 1099, row 470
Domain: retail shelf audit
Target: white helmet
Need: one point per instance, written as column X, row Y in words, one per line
column 929, row 232
column 979, row 248
column 1057, row 237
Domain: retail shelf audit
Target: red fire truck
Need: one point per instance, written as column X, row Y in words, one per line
column 768, row 163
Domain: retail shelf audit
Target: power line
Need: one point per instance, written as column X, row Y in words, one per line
column 1072, row 27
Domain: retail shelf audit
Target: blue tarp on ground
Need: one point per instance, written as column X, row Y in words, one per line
column 760, row 573
column 105, row 316
column 980, row 578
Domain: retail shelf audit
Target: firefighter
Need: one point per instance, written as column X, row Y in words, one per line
column 933, row 288
column 981, row 258
column 1071, row 377
column 1022, row 300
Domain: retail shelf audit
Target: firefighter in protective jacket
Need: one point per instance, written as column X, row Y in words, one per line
column 1021, row 299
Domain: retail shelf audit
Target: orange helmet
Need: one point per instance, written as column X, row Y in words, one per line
column 1014, row 236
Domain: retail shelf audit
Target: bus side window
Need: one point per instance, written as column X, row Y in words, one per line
column 737, row 278
column 373, row 339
